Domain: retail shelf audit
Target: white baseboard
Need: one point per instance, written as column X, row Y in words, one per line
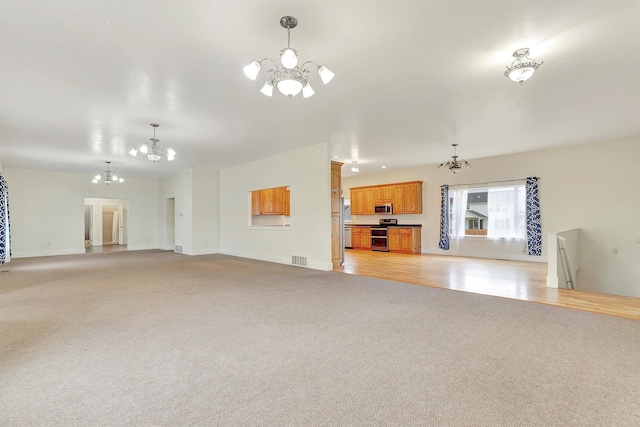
column 278, row 259
column 142, row 247
column 47, row 252
column 508, row 257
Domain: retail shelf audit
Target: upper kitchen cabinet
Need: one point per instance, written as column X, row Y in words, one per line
column 413, row 198
column 405, row 198
column 270, row 201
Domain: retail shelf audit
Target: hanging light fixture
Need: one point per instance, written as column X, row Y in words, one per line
column 354, row 166
column 153, row 150
column 523, row 67
column 108, row 177
column 290, row 78
column 454, row 164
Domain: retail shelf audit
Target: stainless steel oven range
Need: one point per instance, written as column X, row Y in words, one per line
column 380, row 235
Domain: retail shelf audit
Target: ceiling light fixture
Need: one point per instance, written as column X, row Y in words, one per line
column 153, row 150
column 454, row 164
column 354, row 166
column 289, row 79
column 108, row 177
column 523, row 67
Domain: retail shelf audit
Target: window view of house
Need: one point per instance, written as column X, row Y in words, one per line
column 493, row 212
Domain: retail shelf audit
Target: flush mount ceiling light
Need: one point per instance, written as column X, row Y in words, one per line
column 354, row 166
column 153, row 150
column 454, row 164
column 289, row 79
column 523, row 67
column 108, row 177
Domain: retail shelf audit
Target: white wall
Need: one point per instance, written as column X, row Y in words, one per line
column 307, row 172
column 179, row 187
column 196, row 204
column 594, row 187
column 206, row 205
column 47, row 210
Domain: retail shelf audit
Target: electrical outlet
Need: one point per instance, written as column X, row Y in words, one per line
column 615, row 251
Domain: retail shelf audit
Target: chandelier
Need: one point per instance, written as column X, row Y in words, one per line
column 454, row 164
column 153, row 150
column 523, row 67
column 354, row 166
column 289, row 79
column 108, row 177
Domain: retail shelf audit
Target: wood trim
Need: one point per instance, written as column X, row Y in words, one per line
column 385, row 185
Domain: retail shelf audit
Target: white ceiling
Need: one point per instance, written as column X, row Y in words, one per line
column 82, row 80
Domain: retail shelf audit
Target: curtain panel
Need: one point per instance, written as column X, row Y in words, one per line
column 534, row 228
column 5, row 235
column 444, row 218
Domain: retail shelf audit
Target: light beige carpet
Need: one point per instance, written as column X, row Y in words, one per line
column 157, row 338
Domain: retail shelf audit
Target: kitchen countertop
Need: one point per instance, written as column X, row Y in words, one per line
column 348, row 224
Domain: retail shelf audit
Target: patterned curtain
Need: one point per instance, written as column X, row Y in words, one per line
column 444, row 218
column 5, row 241
column 534, row 230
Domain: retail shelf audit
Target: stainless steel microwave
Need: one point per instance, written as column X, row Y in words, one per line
column 387, row 208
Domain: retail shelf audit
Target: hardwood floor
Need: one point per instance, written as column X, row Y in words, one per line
column 509, row 279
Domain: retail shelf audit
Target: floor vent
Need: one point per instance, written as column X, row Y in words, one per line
column 178, row 249
column 299, row 260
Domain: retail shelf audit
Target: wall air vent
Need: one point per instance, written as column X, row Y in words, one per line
column 178, row 249
column 299, row 260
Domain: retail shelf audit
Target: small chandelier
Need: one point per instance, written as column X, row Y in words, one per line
column 454, row 164
column 153, row 150
column 108, row 177
column 289, row 79
column 354, row 166
column 523, row 67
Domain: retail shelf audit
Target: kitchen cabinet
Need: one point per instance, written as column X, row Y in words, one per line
column 255, row 203
column 378, row 196
column 357, row 202
column 270, row 201
column 405, row 240
column 280, row 200
column 413, row 198
column 401, row 239
column 369, row 201
column 398, row 199
column 361, row 237
column 406, row 198
column 394, row 239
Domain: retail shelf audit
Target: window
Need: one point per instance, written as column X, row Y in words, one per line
column 270, row 207
column 497, row 212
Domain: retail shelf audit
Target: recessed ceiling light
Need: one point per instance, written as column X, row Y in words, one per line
column 335, row 157
column 384, row 167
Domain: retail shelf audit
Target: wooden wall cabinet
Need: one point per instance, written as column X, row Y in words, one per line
column 270, row 201
column 413, row 198
column 369, row 201
column 255, row 203
column 406, row 198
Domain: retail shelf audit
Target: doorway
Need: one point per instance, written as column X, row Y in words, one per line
column 111, row 220
column 105, row 224
column 88, row 226
column 171, row 224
